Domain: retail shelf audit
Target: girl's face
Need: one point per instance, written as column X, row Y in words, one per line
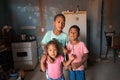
column 73, row 34
column 52, row 51
column 59, row 23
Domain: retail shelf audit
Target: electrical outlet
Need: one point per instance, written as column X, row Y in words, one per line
column 42, row 29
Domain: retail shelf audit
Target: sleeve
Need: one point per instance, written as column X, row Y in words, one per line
column 45, row 38
column 85, row 50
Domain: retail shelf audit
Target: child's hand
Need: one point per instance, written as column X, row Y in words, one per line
column 70, row 67
column 72, row 57
column 43, row 58
column 65, row 51
column 75, row 65
column 43, row 62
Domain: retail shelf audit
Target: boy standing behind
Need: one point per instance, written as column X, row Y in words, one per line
column 57, row 33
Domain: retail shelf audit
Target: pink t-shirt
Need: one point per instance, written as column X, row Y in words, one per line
column 78, row 50
column 55, row 69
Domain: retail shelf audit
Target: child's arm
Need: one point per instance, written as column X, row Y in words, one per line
column 43, row 62
column 67, row 63
column 65, row 51
column 84, row 59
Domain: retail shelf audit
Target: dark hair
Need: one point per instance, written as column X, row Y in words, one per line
column 76, row 27
column 54, row 42
column 59, row 15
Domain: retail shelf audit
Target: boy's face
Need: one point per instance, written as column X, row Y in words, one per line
column 52, row 51
column 73, row 34
column 59, row 23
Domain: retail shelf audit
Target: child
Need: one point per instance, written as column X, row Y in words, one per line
column 57, row 33
column 79, row 50
column 54, row 67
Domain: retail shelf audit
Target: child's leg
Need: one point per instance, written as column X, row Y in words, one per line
column 71, row 75
column 80, row 75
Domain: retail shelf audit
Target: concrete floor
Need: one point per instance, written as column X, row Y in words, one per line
column 97, row 70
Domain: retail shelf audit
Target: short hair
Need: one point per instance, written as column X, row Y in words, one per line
column 76, row 27
column 59, row 15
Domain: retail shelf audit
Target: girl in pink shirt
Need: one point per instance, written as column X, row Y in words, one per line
column 79, row 50
column 53, row 62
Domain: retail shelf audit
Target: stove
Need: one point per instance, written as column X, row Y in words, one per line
column 24, row 55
